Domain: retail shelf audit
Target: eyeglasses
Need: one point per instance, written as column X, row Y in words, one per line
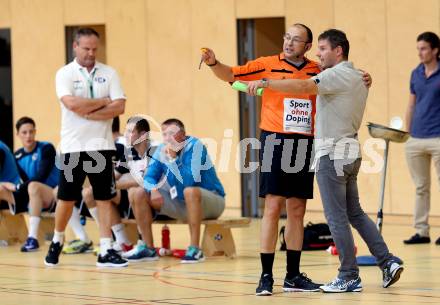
column 287, row 37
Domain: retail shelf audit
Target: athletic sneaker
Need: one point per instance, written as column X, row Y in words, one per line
column 53, row 254
column 391, row 273
column 300, row 283
column 143, row 253
column 111, row 259
column 341, row 285
column 133, row 250
column 265, row 285
column 193, row 255
column 122, row 248
column 78, row 246
column 30, row 245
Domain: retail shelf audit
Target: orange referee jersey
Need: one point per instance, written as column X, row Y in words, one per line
column 282, row 112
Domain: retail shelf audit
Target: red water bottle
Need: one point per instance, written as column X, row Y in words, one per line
column 166, row 237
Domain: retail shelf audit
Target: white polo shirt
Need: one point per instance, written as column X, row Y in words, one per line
column 77, row 133
column 340, row 105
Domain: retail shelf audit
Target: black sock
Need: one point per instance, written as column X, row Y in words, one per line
column 267, row 262
column 293, row 257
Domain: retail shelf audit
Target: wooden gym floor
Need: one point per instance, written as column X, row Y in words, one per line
column 25, row 280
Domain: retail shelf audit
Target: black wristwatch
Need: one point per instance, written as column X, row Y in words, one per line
column 264, row 82
column 212, row 65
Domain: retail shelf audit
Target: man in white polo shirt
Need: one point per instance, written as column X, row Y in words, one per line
column 91, row 96
column 341, row 102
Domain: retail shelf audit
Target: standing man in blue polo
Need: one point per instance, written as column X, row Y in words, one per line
column 423, row 123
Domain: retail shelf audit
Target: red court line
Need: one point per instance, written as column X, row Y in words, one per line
column 157, row 276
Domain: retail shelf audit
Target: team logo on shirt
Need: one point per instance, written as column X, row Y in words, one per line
column 100, row 80
column 77, row 84
column 34, row 157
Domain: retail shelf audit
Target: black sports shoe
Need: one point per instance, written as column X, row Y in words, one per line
column 111, row 259
column 437, row 242
column 417, row 239
column 300, row 283
column 265, row 285
column 391, row 272
column 53, row 254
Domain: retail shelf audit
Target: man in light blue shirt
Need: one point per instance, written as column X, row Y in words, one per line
column 181, row 183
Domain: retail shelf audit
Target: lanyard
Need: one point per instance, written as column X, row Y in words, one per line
column 89, row 81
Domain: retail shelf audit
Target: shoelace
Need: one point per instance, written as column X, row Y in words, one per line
column 265, row 281
column 192, row 251
column 339, row 282
column 335, row 282
column 113, row 254
column 305, row 278
column 53, row 249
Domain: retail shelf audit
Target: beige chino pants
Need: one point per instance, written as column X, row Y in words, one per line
column 419, row 153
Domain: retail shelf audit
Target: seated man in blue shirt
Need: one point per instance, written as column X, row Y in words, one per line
column 36, row 165
column 181, row 183
column 9, row 176
column 131, row 164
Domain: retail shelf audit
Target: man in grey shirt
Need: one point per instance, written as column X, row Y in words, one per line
column 341, row 103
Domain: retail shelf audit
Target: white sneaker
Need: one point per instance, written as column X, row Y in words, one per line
column 341, row 285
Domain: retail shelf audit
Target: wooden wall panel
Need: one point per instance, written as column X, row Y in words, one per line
column 5, row 14
column 80, row 12
column 38, row 51
column 127, row 49
column 259, row 8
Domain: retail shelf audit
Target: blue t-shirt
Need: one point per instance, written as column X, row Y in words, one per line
column 38, row 164
column 8, row 167
column 426, row 117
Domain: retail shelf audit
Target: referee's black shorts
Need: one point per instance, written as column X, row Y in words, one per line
column 285, row 161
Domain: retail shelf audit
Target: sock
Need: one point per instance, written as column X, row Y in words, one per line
column 94, row 213
column 267, row 262
column 104, row 245
column 292, row 257
column 34, row 222
column 58, row 237
column 75, row 224
column 119, row 231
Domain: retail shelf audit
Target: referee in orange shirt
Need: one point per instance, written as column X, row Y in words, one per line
column 287, row 121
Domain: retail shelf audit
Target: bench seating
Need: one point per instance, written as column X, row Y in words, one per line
column 217, row 236
column 13, row 228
